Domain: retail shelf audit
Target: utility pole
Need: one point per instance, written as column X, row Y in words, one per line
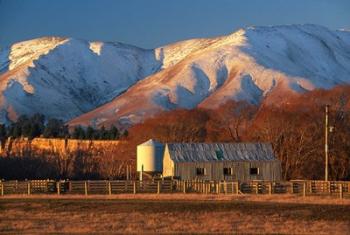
column 326, row 144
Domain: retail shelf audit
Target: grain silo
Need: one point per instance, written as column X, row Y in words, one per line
column 150, row 158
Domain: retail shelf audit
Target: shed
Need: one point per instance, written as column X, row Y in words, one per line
column 221, row 161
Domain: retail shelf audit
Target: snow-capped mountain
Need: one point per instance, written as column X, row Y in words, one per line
column 256, row 64
column 106, row 83
column 64, row 78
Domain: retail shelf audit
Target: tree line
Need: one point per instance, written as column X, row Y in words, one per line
column 295, row 130
column 88, row 161
column 37, row 126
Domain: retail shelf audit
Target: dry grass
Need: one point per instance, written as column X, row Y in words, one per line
column 176, row 213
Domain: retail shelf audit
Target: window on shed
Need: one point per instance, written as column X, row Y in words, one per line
column 254, row 171
column 228, row 171
column 200, row 171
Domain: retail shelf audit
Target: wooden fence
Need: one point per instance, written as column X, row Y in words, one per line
column 339, row 189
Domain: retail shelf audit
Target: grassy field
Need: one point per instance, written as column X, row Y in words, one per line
column 174, row 214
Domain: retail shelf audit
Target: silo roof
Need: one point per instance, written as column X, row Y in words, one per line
column 151, row 142
column 205, row 152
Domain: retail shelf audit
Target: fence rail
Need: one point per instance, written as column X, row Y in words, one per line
column 340, row 189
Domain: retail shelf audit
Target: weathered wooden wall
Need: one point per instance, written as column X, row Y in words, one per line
column 268, row 170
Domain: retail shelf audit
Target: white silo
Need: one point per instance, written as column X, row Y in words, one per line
column 150, row 157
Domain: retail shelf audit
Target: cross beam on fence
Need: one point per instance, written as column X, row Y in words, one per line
column 99, row 187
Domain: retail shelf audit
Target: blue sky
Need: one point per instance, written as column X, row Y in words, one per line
column 151, row 23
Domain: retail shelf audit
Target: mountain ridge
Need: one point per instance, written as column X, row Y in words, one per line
column 259, row 64
column 101, row 83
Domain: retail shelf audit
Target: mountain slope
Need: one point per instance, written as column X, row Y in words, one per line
column 64, row 78
column 257, row 64
column 103, row 83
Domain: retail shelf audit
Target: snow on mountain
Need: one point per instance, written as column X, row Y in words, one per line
column 64, row 78
column 256, row 64
column 102, row 83
column 173, row 53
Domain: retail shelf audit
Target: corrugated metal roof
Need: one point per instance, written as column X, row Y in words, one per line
column 203, row 152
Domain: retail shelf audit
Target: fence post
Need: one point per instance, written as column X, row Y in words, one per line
column 184, row 186
column 134, row 187
column 2, row 189
column 28, row 187
column 58, row 187
column 69, row 186
column 109, row 188
column 304, row 189
column 257, row 188
column 237, row 187
column 310, row 188
column 86, row 188
column 270, row 188
column 158, row 187
column 341, row 191
column 291, row 188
